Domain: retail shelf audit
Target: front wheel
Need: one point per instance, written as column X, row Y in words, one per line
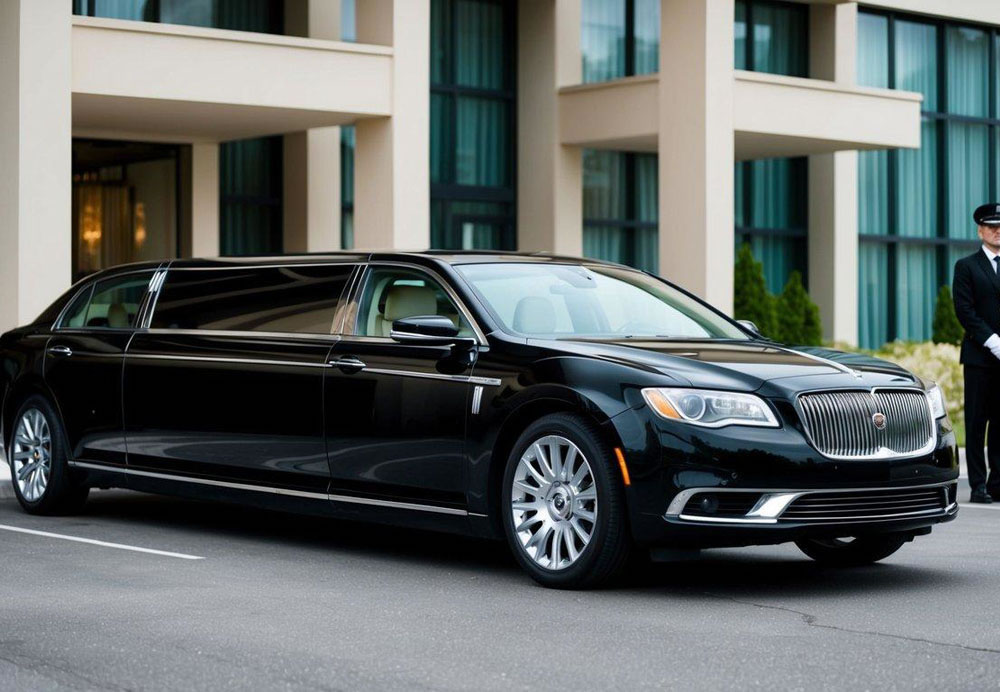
column 38, row 468
column 851, row 552
column 563, row 504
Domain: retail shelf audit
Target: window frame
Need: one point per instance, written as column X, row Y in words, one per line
column 353, row 304
column 90, row 286
column 892, row 239
column 337, row 324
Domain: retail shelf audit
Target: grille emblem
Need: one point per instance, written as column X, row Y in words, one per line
column 879, row 420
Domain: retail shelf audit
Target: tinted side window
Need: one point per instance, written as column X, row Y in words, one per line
column 262, row 299
column 110, row 304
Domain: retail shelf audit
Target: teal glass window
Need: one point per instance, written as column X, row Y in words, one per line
column 915, row 205
column 265, row 16
column 619, row 38
column 771, row 216
column 250, row 197
column 772, row 36
column 620, row 207
column 347, row 187
column 472, row 124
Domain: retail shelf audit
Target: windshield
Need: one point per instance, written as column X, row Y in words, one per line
column 564, row 300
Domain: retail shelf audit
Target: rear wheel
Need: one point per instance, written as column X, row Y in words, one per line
column 851, row 552
column 563, row 504
column 38, row 468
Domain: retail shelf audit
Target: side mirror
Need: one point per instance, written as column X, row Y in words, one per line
column 750, row 326
column 427, row 330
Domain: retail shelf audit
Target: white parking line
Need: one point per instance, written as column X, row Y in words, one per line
column 103, row 544
column 977, row 505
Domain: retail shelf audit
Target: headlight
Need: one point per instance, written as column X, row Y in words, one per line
column 709, row 408
column 936, row 397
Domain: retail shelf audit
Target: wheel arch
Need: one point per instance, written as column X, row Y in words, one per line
column 517, row 422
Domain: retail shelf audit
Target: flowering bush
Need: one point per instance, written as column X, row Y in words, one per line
column 935, row 362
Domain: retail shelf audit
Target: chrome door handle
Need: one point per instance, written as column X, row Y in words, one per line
column 349, row 364
column 60, row 350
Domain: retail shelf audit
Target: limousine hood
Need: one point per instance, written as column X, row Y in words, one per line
column 747, row 365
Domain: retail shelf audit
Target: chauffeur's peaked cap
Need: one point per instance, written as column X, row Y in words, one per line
column 987, row 215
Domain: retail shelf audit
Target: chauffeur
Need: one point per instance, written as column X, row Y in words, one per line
column 977, row 304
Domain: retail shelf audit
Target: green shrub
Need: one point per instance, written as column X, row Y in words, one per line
column 751, row 299
column 947, row 328
column 797, row 316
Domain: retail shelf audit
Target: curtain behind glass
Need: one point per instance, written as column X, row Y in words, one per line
column 916, row 61
column 873, row 50
column 646, row 32
column 647, row 204
column 968, row 176
column 602, row 40
column 481, row 44
column 481, row 142
column 140, row 10
column 251, row 194
column 917, row 185
column 916, row 289
column 873, row 192
column 873, row 294
column 348, row 21
column 603, row 184
column 778, row 193
column 740, row 36
column 967, row 58
column 780, row 35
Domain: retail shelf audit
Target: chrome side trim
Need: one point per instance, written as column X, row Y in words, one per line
column 350, row 499
column 292, row 336
column 477, row 399
column 219, row 359
column 492, row 381
column 773, row 502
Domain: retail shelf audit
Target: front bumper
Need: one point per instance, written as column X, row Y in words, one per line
column 775, row 471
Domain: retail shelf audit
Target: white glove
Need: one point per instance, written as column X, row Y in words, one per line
column 993, row 343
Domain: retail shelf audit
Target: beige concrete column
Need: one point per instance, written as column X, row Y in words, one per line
column 696, row 147
column 312, row 158
column 392, row 155
column 204, row 200
column 550, row 175
column 35, row 147
column 833, row 184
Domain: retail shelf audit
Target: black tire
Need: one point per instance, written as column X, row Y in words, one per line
column 62, row 495
column 607, row 553
column 862, row 550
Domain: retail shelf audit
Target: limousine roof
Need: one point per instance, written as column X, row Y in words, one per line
column 430, row 256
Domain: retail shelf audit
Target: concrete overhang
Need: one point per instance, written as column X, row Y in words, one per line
column 161, row 82
column 773, row 116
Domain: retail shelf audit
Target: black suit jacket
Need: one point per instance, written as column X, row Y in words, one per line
column 976, row 290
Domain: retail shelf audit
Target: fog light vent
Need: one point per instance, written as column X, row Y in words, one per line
column 721, row 504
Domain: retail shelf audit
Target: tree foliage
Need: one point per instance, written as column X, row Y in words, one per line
column 751, row 300
column 946, row 327
column 797, row 316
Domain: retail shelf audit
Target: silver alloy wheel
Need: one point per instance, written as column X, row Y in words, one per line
column 554, row 502
column 32, row 457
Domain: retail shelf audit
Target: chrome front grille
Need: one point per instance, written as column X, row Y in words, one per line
column 842, row 424
column 867, row 505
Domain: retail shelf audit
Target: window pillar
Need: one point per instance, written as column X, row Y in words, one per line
column 550, row 175
column 312, row 158
column 833, row 184
column 392, row 155
column 696, row 184
column 35, row 146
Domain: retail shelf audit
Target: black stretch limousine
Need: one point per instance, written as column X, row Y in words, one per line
column 582, row 410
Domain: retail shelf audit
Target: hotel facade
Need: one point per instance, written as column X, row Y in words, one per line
column 848, row 141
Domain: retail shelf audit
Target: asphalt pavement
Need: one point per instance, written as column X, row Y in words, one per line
column 145, row 592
